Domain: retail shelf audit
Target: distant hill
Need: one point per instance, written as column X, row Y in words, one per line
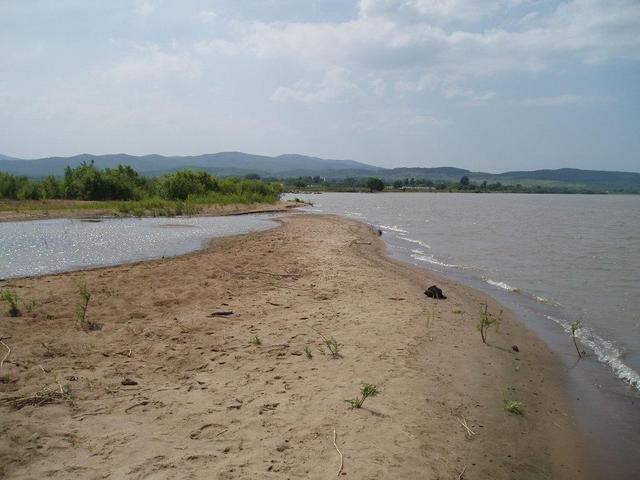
column 292, row 165
column 223, row 163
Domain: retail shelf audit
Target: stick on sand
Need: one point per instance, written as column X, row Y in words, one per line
column 335, row 445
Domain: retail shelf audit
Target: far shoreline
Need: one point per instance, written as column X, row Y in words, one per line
column 22, row 214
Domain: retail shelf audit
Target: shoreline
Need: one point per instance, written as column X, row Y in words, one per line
column 207, row 211
column 425, row 355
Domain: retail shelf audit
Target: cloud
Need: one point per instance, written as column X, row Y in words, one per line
column 152, row 62
column 334, row 87
column 587, row 31
column 560, row 101
column 144, row 8
column 437, row 10
column 205, row 16
column 404, row 120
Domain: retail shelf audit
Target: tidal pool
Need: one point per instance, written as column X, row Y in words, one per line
column 47, row 246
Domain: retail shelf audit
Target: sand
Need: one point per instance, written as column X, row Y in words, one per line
column 211, row 403
column 14, row 210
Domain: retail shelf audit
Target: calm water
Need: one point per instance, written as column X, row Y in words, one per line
column 577, row 257
column 39, row 247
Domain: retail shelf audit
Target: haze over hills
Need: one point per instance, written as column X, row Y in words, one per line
column 292, row 165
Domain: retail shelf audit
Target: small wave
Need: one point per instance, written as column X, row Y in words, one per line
column 418, row 242
column 502, row 285
column 418, row 252
column 392, row 229
column 354, row 214
column 434, row 261
column 605, row 350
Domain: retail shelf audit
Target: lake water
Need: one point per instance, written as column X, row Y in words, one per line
column 576, row 256
column 47, row 246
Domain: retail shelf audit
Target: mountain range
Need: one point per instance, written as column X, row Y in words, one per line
column 292, row 165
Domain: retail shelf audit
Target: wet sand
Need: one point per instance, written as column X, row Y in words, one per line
column 235, row 395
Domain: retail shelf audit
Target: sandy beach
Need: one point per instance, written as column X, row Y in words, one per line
column 199, row 369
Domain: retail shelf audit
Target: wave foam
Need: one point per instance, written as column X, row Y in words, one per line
column 418, row 242
column 502, row 285
column 431, row 259
column 392, row 229
column 605, row 350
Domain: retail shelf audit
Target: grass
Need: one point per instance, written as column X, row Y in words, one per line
column 487, row 320
column 82, row 307
column 255, row 340
column 30, row 305
column 575, row 326
column 151, row 206
column 366, row 390
column 510, row 405
column 11, row 298
column 332, row 345
column 307, row 353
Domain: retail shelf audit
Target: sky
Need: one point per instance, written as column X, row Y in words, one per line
column 488, row 85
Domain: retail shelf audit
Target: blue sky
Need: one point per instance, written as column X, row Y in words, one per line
column 488, row 85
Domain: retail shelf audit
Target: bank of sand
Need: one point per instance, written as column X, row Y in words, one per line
column 17, row 211
column 209, row 403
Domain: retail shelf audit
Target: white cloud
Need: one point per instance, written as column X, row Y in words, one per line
column 397, row 119
column 587, row 31
column 144, row 8
column 205, row 16
column 151, row 62
column 334, row 87
column 560, row 101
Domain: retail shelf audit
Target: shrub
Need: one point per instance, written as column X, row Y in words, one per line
column 487, row 320
column 366, row 390
column 12, row 299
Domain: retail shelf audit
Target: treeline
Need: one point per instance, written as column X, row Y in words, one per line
column 350, row 184
column 86, row 182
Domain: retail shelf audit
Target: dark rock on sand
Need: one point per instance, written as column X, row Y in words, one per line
column 434, row 292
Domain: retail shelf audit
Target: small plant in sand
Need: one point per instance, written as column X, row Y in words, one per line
column 30, row 305
column 11, row 298
column 575, row 326
column 512, row 406
column 307, row 353
column 487, row 320
column 82, row 306
column 332, row 345
column 255, row 340
column 366, row 390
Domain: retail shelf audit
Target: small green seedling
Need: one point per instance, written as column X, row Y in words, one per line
column 487, row 320
column 82, row 306
column 307, row 353
column 575, row 326
column 31, row 305
column 11, row 298
column 512, row 406
column 256, row 340
column 366, row 390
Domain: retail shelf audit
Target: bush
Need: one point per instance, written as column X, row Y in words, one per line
column 374, row 184
column 180, row 185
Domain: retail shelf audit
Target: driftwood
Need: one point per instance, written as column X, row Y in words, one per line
column 225, row 313
column 339, row 452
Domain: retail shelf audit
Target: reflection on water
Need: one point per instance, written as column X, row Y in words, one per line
column 46, row 246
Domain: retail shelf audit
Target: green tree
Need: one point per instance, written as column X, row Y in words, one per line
column 397, row 184
column 181, row 184
column 374, row 184
column 464, row 181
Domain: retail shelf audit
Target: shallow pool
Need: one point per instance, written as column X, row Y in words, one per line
column 48, row 246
